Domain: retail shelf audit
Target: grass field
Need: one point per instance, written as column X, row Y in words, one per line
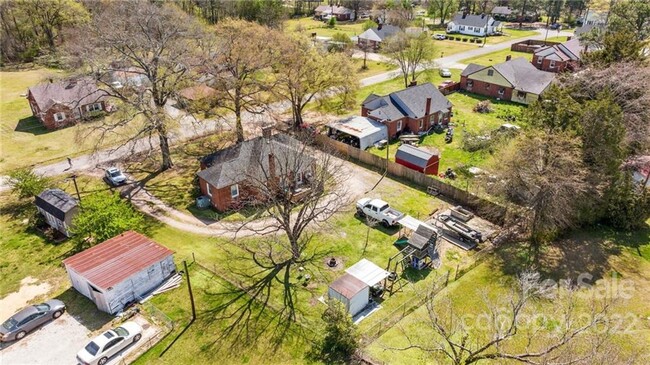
column 496, row 57
column 308, row 25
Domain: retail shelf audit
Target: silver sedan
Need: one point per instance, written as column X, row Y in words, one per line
column 16, row 327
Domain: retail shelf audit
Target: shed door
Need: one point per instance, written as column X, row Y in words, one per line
column 99, row 298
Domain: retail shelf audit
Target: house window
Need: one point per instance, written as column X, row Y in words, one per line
column 208, row 190
column 58, row 117
column 502, row 91
column 487, row 86
column 462, row 27
column 421, row 124
column 234, row 191
column 521, row 94
column 298, row 178
column 93, row 107
column 490, row 72
column 552, row 65
column 470, row 83
column 399, row 125
column 470, row 28
column 539, row 60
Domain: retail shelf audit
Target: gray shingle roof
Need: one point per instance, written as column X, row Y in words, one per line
column 71, row 93
column 414, row 155
column 410, row 102
column 471, row 68
column 422, row 236
column 471, row 20
column 502, row 10
column 379, row 35
column 250, row 158
column 520, row 73
column 56, row 202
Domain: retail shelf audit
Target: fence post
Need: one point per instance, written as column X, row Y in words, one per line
column 193, row 258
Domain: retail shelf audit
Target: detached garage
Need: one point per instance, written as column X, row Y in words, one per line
column 120, row 271
column 418, row 159
column 358, row 131
column 350, row 291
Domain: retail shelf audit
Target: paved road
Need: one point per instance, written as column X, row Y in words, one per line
column 191, row 128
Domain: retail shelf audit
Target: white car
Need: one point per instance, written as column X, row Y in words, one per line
column 103, row 347
column 445, row 72
column 115, row 177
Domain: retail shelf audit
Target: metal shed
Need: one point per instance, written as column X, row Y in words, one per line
column 418, row 159
column 58, row 208
column 365, row 130
column 367, row 272
column 120, row 271
column 352, row 292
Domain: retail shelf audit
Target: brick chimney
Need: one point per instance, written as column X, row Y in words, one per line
column 379, row 26
column 267, row 131
column 428, row 107
column 508, row 58
column 271, row 165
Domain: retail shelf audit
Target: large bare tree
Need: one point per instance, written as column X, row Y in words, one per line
column 243, row 51
column 152, row 43
column 304, row 71
column 511, row 327
column 297, row 189
column 410, row 52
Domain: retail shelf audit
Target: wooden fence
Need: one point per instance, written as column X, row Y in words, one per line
column 530, row 45
column 486, row 209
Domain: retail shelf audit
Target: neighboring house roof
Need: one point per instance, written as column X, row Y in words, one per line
column 520, row 73
column 56, row 202
column 471, row 20
column 414, row 155
column 502, row 10
column 379, row 35
column 129, row 76
column 566, row 51
column 348, row 286
column 72, row 93
column 197, row 92
column 357, row 126
column 336, row 10
column 114, row 260
column 423, row 236
column 588, row 28
column 410, row 102
column 367, row 272
column 250, row 158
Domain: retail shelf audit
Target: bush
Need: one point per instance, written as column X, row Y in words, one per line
column 26, row 184
column 484, row 106
column 464, row 39
column 473, row 142
column 331, row 23
column 341, row 339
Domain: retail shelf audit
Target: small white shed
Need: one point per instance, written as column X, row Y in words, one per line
column 366, row 130
column 350, row 291
column 120, row 270
column 368, row 272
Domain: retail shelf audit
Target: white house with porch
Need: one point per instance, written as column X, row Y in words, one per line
column 475, row 25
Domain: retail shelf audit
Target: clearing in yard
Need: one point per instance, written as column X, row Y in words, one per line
column 489, row 59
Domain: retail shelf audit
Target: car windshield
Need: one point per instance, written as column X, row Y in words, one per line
column 116, row 173
column 42, row 307
column 92, row 348
column 121, row 331
column 383, row 208
column 10, row 324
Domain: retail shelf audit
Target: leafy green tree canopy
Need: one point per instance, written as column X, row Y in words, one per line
column 26, row 184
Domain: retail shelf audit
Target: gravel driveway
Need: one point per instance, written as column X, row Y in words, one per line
column 58, row 342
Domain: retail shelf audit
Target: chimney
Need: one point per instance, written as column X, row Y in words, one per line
column 379, row 26
column 51, row 80
column 428, row 107
column 464, row 14
column 508, row 58
column 568, row 38
column 267, row 131
column 271, row 165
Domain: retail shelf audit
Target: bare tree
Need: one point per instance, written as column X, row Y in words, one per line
column 297, row 189
column 410, row 53
column 243, row 51
column 511, row 328
column 152, row 43
column 304, row 71
column 543, row 177
column 442, row 9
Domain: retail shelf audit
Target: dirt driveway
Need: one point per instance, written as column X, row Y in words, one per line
column 58, row 342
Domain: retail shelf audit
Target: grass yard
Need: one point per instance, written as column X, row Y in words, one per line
column 447, row 48
column 374, row 68
column 597, row 252
column 512, row 33
column 496, row 57
column 308, row 25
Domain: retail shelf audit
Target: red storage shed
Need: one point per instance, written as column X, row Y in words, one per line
column 418, row 159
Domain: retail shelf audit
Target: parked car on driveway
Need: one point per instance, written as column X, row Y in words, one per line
column 103, row 347
column 379, row 210
column 445, row 72
column 16, row 327
column 114, row 176
column 439, row 37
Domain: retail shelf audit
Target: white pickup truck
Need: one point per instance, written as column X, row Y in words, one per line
column 379, row 210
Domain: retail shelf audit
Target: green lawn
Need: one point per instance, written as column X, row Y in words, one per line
column 374, row 68
column 308, row 25
column 509, row 34
column 489, row 59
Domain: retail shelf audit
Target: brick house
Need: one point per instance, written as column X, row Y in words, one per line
column 341, row 13
column 560, row 57
column 374, row 36
column 516, row 80
column 414, row 109
column 61, row 103
column 233, row 177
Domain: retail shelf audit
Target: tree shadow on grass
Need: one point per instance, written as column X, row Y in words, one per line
column 84, row 310
column 31, row 125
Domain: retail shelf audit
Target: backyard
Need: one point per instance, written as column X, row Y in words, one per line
column 493, row 58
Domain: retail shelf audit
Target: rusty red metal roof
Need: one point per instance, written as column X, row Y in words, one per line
column 116, row 259
column 348, row 286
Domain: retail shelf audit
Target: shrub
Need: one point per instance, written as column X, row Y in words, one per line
column 331, row 23
column 341, row 339
column 26, row 184
column 484, row 106
column 464, row 39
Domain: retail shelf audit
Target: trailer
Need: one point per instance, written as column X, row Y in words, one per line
column 463, row 231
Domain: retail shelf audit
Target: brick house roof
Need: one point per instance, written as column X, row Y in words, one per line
column 410, row 102
column 72, row 93
column 518, row 72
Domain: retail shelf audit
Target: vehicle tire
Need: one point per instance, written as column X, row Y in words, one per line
column 57, row 314
column 360, row 213
column 102, row 361
column 20, row 335
column 137, row 337
column 385, row 223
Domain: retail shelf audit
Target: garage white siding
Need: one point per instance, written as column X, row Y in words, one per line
column 355, row 304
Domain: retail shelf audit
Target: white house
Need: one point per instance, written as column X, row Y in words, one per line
column 120, row 271
column 476, row 25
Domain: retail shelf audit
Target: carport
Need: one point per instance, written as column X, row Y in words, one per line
column 367, row 272
column 364, row 131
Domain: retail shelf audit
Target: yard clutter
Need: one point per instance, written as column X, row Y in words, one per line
column 120, row 271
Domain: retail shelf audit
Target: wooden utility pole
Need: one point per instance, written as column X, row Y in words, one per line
column 189, row 287
column 76, row 188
